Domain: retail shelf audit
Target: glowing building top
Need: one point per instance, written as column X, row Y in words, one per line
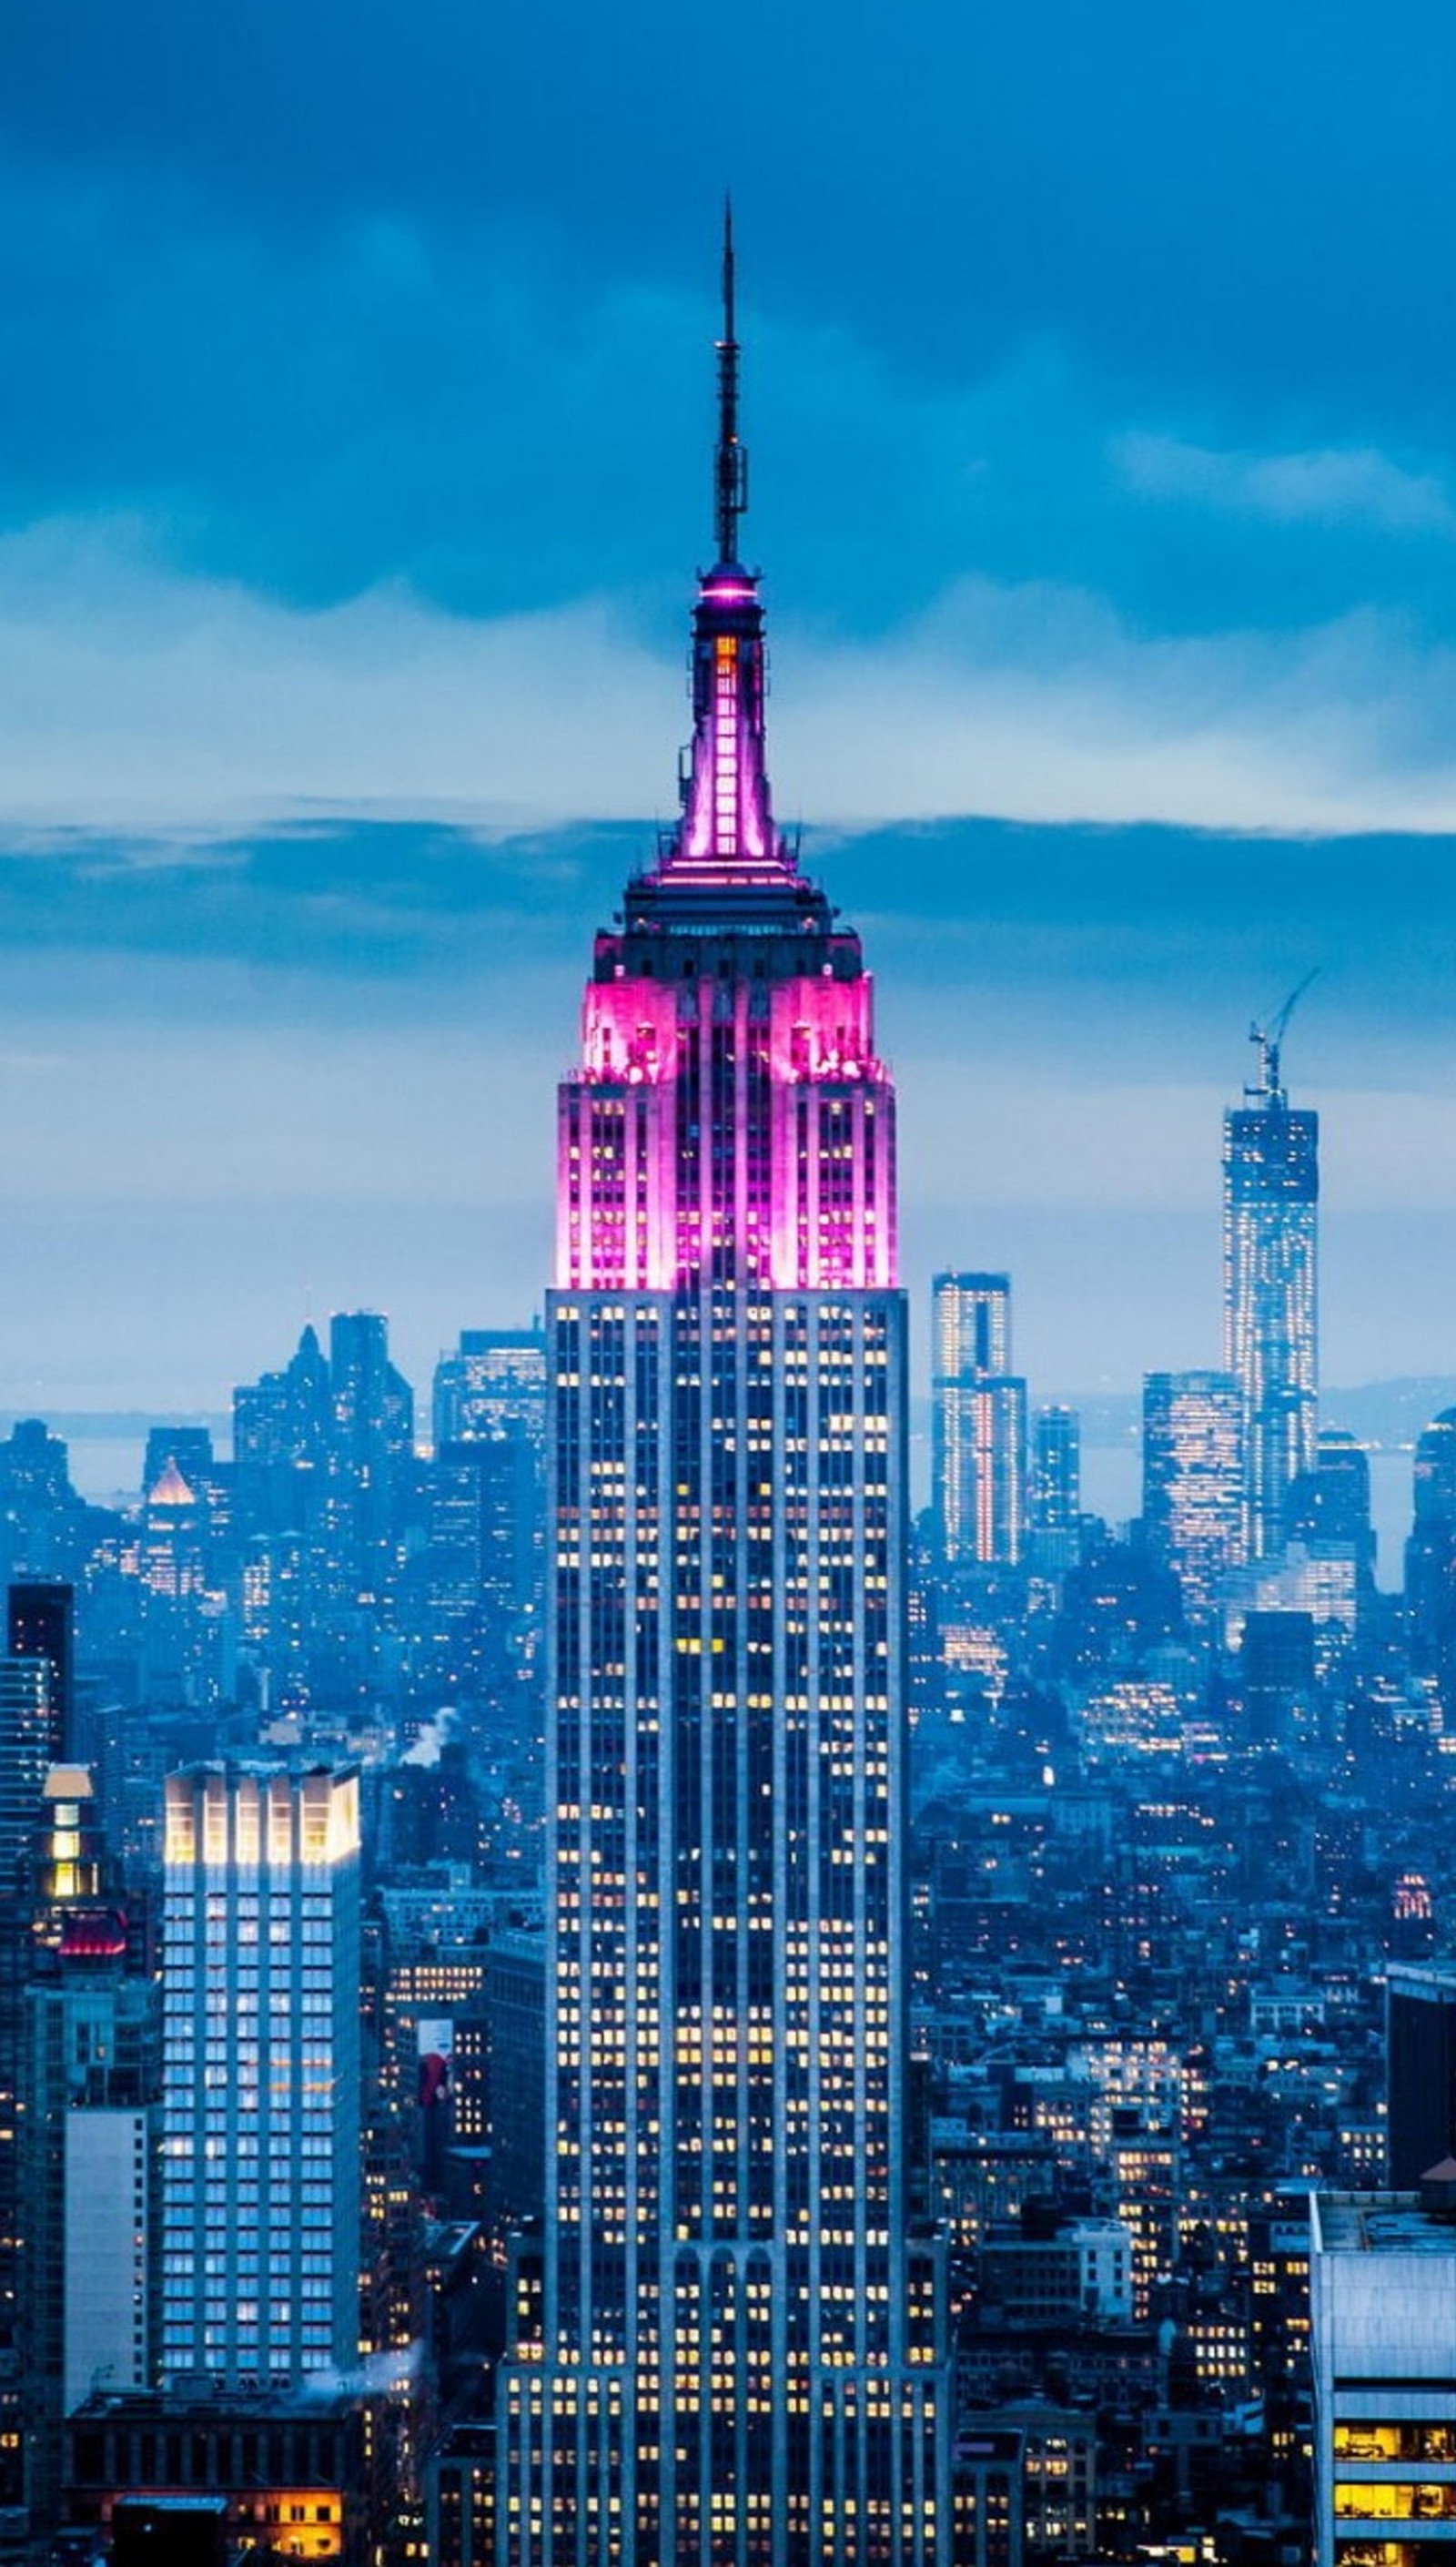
column 728, row 1001
column 726, row 835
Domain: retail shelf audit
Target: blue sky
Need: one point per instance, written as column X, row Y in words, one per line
column 1101, row 382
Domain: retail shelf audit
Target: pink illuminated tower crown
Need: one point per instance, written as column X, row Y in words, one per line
column 724, row 931
column 737, row 2354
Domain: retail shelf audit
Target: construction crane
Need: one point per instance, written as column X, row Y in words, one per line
column 1268, row 1090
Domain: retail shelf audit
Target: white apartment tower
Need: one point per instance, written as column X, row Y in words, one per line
column 260, row 2074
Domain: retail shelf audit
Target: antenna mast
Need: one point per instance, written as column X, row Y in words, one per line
column 730, row 478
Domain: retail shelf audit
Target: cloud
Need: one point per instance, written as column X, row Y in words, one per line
column 1334, row 487
column 141, row 699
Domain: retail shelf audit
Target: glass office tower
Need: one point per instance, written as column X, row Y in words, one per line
column 978, row 1420
column 1271, row 1190
column 737, row 2352
column 1193, row 1479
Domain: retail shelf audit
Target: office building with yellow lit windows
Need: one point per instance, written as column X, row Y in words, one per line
column 1382, row 2315
column 260, row 2278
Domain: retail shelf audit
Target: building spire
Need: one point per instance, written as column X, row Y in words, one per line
column 730, row 476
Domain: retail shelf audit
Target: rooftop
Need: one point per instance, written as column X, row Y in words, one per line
column 1380, row 2223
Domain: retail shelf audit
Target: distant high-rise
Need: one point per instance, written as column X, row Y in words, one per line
column 1327, row 1509
column 28, row 1746
column 372, row 1439
column 261, row 2187
column 43, row 1522
column 1271, row 1189
column 89, row 2058
column 493, row 1383
column 978, row 1424
column 1054, row 1500
column 1431, row 1553
column 739, row 2358
column 40, row 1619
column 486, row 1491
column 1193, row 1479
column 323, row 1480
column 1332, row 1503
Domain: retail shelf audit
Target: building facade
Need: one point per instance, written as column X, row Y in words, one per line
column 1382, row 2285
column 1420, row 2068
column 261, row 2211
column 1270, row 1194
column 30, row 1742
column 87, row 2135
column 1054, row 1496
column 1193, row 1488
column 740, row 2354
column 978, row 1424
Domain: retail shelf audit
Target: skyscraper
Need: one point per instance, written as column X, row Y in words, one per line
column 978, row 1424
column 494, row 1383
column 1431, row 1553
column 39, row 1614
column 1270, row 1190
column 1421, row 2069
column 260, row 2074
column 28, row 1745
column 88, row 2128
column 740, row 2354
column 1055, row 1497
column 1193, row 1479
column 485, row 1556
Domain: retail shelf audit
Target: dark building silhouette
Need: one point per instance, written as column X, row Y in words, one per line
column 1330, row 1504
column 1431, row 1553
column 515, row 2003
column 40, row 1624
column 1421, row 2069
column 325, row 1483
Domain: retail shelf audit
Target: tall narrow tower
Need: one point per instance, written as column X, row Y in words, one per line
column 739, row 2355
column 978, row 1417
column 260, row 2074
column 1271, row 1190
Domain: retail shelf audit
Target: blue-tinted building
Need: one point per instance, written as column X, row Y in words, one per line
column 1270, row 1194
column 735, row 2351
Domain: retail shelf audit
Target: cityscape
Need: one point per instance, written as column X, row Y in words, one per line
column 585, row 1980
column 727, row 1412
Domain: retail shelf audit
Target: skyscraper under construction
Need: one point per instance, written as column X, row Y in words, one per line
column 1270, row 1192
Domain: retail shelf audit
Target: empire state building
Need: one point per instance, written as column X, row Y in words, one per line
column 736, row 2355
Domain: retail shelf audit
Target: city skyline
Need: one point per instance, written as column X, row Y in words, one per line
column 582, row 1977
